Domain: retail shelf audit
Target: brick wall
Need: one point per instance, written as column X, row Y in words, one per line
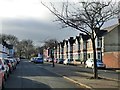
column 112, row 59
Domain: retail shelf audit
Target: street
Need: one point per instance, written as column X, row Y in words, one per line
column 110, row 74
column 30, row 75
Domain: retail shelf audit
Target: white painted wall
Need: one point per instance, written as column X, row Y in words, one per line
column 3, row 49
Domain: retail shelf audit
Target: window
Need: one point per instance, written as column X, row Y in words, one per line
column 91, row 55
column 88, row 55
column 99, row 55
column 85, row 56
column 79, row 46
column 84, row 45
column 99, row 42
column 88, row 44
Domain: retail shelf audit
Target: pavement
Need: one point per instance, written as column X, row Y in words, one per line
column 83, row 78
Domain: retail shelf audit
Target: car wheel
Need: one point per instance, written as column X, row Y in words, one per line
column 15, row 67
column 5, row 77
column 10, row 71
column 92, row 66
column 7, row 74
column 86, row 66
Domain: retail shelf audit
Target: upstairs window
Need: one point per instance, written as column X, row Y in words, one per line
column 99, row 55
column 84, row 45
column 98, row 42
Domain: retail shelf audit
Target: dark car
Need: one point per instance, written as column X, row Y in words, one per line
column 38, row 60
column 60, row 61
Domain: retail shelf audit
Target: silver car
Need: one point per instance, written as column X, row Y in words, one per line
column 90, row 63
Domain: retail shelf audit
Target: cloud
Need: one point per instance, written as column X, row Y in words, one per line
column 23, row 9
column 36, row 30
column 29, row 19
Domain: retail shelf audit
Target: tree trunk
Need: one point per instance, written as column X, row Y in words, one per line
column 95, row 62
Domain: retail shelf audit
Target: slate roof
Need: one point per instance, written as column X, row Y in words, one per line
column 111, row 27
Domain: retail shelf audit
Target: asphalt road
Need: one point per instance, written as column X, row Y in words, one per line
column 102, row 72
column 30, row 75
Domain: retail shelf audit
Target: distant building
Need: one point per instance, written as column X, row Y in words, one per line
column 6, row 50
column 3, row 51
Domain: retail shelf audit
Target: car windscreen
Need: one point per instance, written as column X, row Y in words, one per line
column 38, row 58
column 7, row 61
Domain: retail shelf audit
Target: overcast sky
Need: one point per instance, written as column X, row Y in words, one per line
column 29, row 19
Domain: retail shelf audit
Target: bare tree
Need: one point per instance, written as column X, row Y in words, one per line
column 11, row 39
column 87, row 17
column 27, row 47
column 51, row 43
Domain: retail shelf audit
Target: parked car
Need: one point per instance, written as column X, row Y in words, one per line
column 18, row 60
column 2, row 79
column 32, row 59
column 38, row 60
column 45, row 59
column 66, row 62
column 55, row 60
column 60, row 61
column 9, row 64
column 90, row 63
column 50, row 60
column 6, row 69
column 13, row 62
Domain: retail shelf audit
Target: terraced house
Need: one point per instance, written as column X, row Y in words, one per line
column 111, row 44
column 79, row 49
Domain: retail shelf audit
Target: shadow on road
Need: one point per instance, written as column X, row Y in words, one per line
column 29, row 69
column 24, row 83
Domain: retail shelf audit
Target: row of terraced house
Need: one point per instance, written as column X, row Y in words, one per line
column 78, row 49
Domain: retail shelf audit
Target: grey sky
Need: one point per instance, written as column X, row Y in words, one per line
column 28, row 19
column 36, row 30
